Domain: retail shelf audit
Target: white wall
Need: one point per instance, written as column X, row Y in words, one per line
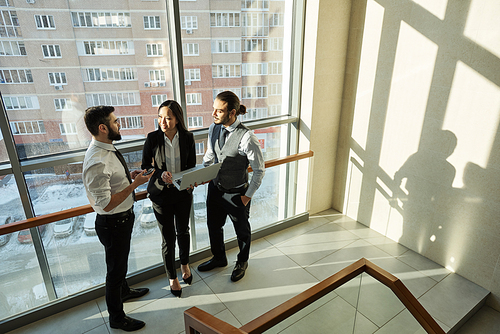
column 418, row 155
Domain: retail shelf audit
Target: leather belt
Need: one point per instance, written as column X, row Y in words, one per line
column 119, row 215
column 233, row 190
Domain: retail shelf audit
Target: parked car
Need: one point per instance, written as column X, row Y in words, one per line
column 24, row 236
column 89, row 224
column 147, row 217
column 6, row 237
column 64, row 228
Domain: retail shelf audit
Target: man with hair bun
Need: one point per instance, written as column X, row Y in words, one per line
column 230, row 193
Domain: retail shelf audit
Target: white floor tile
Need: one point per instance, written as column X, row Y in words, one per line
column 271, row 279
column 79, row 319
column 424, row 265
column 452, row 298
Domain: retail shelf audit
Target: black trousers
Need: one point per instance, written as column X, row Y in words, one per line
column 115, row 234
column 172, row 213
column 219, row 206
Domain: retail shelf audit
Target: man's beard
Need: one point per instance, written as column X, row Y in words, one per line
column 224, row 120
column 112, row 135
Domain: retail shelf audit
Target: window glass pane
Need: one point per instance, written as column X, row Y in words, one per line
column 227, row 55
column 21, row 284
column 104, row 41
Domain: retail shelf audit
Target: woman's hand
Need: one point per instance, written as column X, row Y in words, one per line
column 166, row 177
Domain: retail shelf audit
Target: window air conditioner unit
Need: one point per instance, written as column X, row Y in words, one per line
column 58, row 87
column 187, row 82
column 30, row 1
column 162, row 83
column 147, row 84
column 154, row 84
column 189, row 31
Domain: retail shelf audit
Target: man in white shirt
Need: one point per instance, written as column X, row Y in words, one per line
column 229, row 194
column 110, row 191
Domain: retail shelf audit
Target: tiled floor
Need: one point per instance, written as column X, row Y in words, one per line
column 288, row 262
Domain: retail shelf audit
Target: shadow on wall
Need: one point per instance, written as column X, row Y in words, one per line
column 422, row 159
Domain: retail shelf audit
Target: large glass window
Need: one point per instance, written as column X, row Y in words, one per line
column 124, row 66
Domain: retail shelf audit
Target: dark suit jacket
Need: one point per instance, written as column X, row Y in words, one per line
column 154, row 150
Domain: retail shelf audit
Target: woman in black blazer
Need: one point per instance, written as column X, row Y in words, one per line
column 170, row 149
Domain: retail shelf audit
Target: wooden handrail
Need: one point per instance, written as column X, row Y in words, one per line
column 196, row 319
column 84, row 209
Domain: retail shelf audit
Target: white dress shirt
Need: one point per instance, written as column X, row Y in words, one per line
column 103, row 175
column 173, row 154
column 249, row 146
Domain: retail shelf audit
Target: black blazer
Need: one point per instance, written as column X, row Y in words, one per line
column 154, row 150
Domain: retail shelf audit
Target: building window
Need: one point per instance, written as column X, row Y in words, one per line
column 224, row 19
column 254, row 4
column 195, row 122
column 158, row 99
column 226, row 46
column 276, row 20
column 254, row 113
column 154, row 50
column 255, row 45
column 156, row 75
column 45, row 22
column 9, row 24
column 62, row 104
column 275, row 67
column 200, row 148
column 193, row 98
column 152, row 22
column 57, row 78
column 190, row 49
column 130, row 122
column 254, row 24
column 189, row 22
column 254, row 92
column 100, row 20
column 5, row 3
column 254, row 69
column 51, row 51
column 276, row 44
column 27, row 127
column 68, row 128
column 226, row 71
column 109, row 74
column 113, row 99
column 20, row 102
column 275, row 109
column 275, row 89
column 192, row 74
column 90, row 48
column 236, row 91
column 12, row 48
column 15, row 76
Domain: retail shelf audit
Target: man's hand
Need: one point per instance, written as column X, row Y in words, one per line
column 245, row 200
column 134, row 173
column 140, row 178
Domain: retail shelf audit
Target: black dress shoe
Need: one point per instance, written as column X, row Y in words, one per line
column 176, row 293
column 188, row 280
column 128, row 324
column 134, row 293
column 212, row 263
column 239, row 271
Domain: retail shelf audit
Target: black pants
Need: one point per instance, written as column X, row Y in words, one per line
column 115, row 234
column 172, row 213
column 219, row 206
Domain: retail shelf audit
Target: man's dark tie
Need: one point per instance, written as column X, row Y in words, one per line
column 124, row 164
column 222, row 137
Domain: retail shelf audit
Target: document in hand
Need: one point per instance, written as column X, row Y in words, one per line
column 198, row 174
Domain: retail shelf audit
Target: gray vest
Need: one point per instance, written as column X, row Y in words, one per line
column 233, row 171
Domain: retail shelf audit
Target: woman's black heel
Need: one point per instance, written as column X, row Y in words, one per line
column 188, row 280
column 176, row 293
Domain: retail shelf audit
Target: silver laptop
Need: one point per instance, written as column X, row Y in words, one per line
column 198, row 174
